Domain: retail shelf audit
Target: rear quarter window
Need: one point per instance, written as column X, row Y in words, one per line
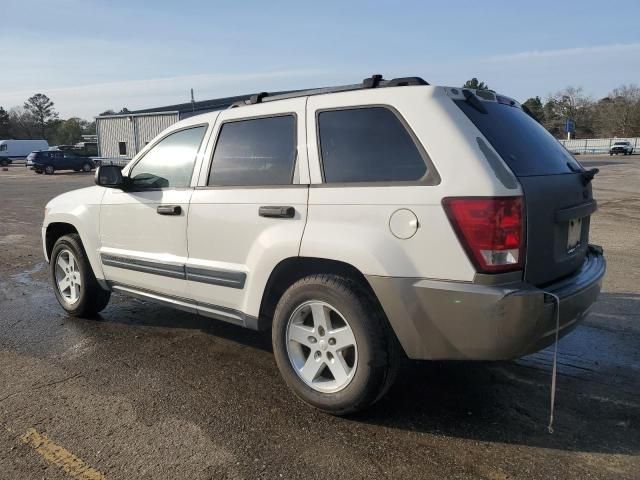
column 524, row 144
column 368, row 144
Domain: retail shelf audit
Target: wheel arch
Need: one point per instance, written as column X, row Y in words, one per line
column 54, row 231
column 292, row 269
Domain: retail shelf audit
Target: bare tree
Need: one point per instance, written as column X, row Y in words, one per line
column 618, row 114
column 569, row 103
column 22, row 124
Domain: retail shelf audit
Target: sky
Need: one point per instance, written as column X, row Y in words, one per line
column 92, row 55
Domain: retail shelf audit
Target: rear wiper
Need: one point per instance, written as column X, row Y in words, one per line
column 472, row 100
column 587, row 175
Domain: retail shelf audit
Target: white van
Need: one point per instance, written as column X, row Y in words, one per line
column 18, row 149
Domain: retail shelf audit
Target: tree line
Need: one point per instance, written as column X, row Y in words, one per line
column 37, row 118
column 615, row 115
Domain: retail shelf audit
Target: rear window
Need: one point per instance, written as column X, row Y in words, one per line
column 523, row 143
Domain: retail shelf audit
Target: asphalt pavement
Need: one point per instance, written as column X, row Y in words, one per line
column 147, row 392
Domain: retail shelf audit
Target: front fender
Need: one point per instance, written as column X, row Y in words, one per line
column 81, row 210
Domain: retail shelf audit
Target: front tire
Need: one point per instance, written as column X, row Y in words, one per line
column 4, row 162
column 74, row 283
column 86, row 167
column 333, row 345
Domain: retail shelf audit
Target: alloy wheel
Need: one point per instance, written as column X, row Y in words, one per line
column 68, row 278
column 321, row 346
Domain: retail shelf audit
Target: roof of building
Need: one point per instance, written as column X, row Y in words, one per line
column 214, row 104
column 191, row 108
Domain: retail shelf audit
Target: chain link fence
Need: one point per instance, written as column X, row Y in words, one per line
column 597, row 145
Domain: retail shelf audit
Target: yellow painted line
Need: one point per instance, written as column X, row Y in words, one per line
column 60, row 456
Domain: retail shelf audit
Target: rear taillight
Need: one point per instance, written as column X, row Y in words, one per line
column 491, row 230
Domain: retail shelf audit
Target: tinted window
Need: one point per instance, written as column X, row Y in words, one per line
column 169, row 164
column 368, row 145
column 261, row 151
column 3, row 147
column 523, row 143
column 122, row 148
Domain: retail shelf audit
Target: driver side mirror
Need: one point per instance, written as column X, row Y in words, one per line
column 109, row 176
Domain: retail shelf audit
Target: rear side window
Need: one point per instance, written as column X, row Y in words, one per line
column 368, row 144
column 3, row 147
column 524, row 144
column 258, row 151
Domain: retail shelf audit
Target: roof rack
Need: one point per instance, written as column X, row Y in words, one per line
column 375, row 81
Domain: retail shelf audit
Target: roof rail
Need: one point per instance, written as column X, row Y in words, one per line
column 375, row 81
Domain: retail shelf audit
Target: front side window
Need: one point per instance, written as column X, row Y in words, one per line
column 367, row 144
column 258, row 151
column 3, row 147
column 169, row 164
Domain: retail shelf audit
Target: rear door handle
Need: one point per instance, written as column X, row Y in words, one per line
column 273, row 211
column 169, row 210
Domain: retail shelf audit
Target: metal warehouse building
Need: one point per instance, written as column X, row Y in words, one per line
column 124, row 135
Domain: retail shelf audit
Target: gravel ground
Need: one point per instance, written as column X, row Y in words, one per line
column 148, row 392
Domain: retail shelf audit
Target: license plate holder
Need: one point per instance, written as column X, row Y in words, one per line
column 574, row 234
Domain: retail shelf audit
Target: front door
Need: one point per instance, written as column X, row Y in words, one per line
column 143, row 229
column 249, row 210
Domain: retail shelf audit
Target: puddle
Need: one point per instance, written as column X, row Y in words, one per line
column 24, row 277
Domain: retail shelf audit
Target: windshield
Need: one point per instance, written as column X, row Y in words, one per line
column 524, row 144
column 620, row 143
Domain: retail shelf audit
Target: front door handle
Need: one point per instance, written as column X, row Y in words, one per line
column 169, row 209
column 273, row 211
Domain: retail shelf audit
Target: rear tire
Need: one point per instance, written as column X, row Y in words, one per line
column 49, row 170
column 74, row 283
column 86, row 167
column 4, row 162
column 364, row 369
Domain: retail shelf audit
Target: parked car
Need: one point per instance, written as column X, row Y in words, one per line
column 623, row 147
column 49, row 161
column 18, row 149
column 86, row 149
column 64, row 148
column 358, row 223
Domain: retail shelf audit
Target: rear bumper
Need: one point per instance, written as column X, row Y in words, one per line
column 466, row 321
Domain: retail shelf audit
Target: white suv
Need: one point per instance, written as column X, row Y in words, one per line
column 359, row 223
column 623, row 147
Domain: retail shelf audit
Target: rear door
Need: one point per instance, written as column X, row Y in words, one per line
column 250, row 207
column 57, row 160
column 558, row 199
